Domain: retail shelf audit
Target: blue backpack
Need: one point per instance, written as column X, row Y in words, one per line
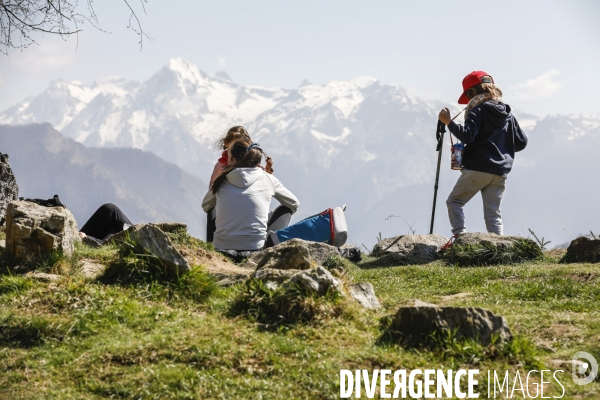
column 327, row 227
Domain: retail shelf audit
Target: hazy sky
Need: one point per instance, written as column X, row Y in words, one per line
column 544, row 55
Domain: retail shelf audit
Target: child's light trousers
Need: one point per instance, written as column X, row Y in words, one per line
column 470, row 182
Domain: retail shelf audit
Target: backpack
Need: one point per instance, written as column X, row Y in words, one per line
column 326, row 227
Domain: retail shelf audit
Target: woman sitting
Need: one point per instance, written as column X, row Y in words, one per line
column 242, row 195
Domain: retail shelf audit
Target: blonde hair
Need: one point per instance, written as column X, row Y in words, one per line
column 234, row 134
column 482, row 88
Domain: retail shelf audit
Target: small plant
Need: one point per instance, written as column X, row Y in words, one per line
column 542, row 242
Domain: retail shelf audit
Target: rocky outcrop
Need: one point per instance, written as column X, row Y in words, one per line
column 316, row 281
column 9, row 190
column 483, row 239
column 583, row 250
column 294, row 254
column 33, row 230
column 411, row 248
column 416, row 323
column 365, row 295
column 149, row 239
column 90, row 269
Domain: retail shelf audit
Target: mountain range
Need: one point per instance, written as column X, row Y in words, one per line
column 145, row 187
column 363, row 143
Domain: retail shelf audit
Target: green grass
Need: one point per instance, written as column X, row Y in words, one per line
column 159, row 338
column 488, row 254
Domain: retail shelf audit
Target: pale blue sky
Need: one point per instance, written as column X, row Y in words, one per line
column 544, row 55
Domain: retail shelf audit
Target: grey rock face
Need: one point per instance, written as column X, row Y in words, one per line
column 417, row 322
column 316, row 280
column 90, row 269
column 149, row 239
column 43, row 277
column 293, row 254
column 365, row 295
column 9, row 190
column 419, row 248
column 583, row 250
column 481, row 238
column 33, row 230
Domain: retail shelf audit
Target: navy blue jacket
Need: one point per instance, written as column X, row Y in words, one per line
column 491, row 135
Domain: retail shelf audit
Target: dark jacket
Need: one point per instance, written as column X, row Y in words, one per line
column 491, row 135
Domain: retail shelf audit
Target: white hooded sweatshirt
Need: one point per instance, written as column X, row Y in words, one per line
column 242, row 202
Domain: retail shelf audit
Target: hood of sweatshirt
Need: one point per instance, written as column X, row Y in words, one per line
column 244, row 177
column 496, row 113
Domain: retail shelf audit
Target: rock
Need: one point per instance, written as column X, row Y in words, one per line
column 43, row 277
column 149, row 239
column 91, row 270
column 316, row 280
column 168, row 227
column 9, row 190
column 482, row 238
column 413, row 248
column 583, row 250
column 351, row 253
column 365, row 294
column 273, row 275
column 293, row 254
column 416, row 322
column 231, row 280
column 33, row 230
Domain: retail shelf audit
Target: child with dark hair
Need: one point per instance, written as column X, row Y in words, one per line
column 492, row 136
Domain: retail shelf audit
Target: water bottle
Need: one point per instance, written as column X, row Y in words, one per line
column 456, row 156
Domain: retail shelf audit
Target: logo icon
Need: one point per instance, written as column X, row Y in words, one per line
column 580, row 369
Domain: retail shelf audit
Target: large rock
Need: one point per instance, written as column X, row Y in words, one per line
column 149, row 239
column 33, row 230
column 482, row 239
column 9, row 190
column 411, row 248
column 417, row 322
column 316, row 280
column 583, row 250
column 365, row 295
column 293, row 254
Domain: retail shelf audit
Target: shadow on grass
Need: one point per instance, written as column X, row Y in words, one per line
column 23, row 332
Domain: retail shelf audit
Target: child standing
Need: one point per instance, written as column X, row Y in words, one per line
column 491, row 135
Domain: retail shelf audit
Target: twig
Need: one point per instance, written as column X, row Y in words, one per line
column 542, row 243
column 410, row 226
column 594, row 236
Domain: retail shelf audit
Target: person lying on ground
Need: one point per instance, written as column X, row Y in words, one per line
column 492, row 136
column 107, row 220
column 241, row 194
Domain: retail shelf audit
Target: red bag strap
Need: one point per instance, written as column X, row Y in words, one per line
column 330, row 212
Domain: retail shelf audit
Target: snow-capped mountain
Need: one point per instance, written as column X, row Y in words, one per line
column 361, row 142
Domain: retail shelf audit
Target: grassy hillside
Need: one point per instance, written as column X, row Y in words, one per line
column 183, row 339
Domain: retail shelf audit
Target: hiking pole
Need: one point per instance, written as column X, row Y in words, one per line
column 439, row 135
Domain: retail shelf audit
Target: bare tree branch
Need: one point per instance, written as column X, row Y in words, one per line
column 22, row 20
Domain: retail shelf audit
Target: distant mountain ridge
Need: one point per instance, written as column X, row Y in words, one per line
column 361, row 142
column 145, row 187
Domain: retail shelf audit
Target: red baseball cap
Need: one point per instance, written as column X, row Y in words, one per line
column 474, row 78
